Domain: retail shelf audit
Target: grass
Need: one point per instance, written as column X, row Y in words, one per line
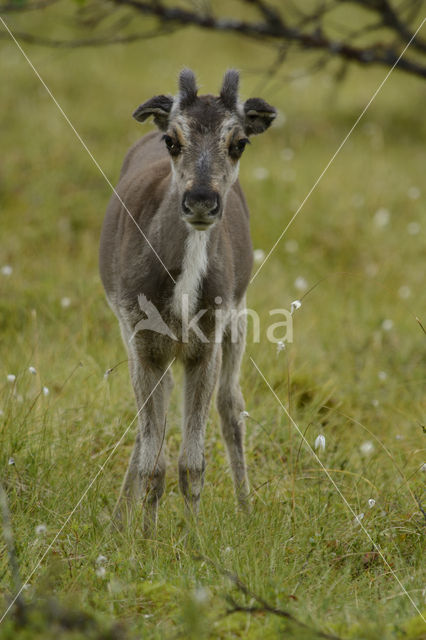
column 349, row 374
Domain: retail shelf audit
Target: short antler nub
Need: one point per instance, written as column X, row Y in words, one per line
column 229, row 90
column 187, row 88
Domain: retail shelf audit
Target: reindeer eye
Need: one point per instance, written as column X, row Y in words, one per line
column 172, row 145
column 236, row 149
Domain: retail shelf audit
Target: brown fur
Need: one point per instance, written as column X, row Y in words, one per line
column 158, row 197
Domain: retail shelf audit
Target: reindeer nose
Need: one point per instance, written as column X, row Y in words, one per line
column 201, row 206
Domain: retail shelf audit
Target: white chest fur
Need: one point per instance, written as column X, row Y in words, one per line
column 194, row 268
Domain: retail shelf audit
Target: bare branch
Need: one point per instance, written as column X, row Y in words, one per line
column 375, row 54
column 262, row 605
column 10, row 546
column 87, row 42
column 390, row 18
column 421, row 508
column 236, row 608
column 14, row 7
column 270, row 14
column 280, row 26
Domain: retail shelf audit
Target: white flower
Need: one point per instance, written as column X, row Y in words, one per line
column 358, row 518
column 40, row 529
column 320, row 442
column 358, row 200
column 413, row 228
column 423, row 467
column 404, row 292
column 382, row 375
column 371, row 503
column 287, row 154
column 296, row 304
column 244, row 414
column 201, row 595
column 228, row 550
column 399, row 437
column 11, row 461
column 291, row 246
column 387, row 324
column 11, row 377
column 101, row 572
column 65, row 302
column 32, row 370
column 367, row 448
column 371, row 269
column 413, row 193
column 280, row 346
column 260, row 173
column 258, row 255
column 45, row 391
column 7, row 270
column 300, row 283
column 381, row 217
column 101, row 560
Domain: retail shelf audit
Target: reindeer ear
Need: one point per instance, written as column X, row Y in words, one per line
column 258, row 115
column 159, row 107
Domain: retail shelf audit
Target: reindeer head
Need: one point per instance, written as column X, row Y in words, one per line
column 205, row 137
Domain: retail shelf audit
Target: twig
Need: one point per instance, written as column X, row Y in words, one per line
column 263, row 606
column 373, row 54
column 420, row 506
column 421, row 326
column 273, row 27
column 101, row 41
column 15, row 7
column 391, row 19
column 11, row 551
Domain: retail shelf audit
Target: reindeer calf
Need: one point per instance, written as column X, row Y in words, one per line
column 176, row 236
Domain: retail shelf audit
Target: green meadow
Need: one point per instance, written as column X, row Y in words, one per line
column 334, row 540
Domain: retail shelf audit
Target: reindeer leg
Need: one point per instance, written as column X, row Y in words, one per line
column 230, row 404
column 145, row 476
column 200, row 380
